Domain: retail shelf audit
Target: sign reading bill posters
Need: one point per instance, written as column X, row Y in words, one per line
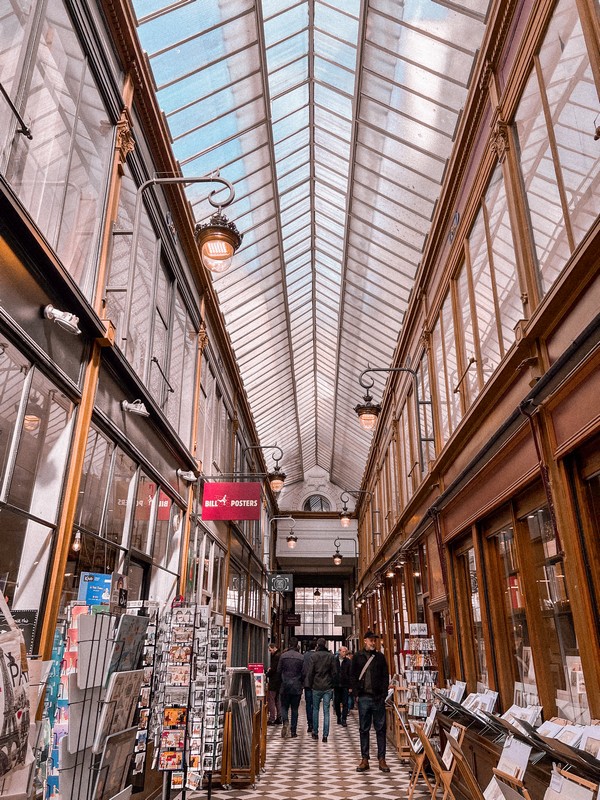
column 231, row 501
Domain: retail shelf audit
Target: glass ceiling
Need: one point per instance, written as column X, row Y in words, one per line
column 334, row 121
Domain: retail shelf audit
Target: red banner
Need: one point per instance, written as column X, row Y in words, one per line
column 231, row 501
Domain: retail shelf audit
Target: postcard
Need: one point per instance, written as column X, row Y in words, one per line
column 177, row 674
column 170, row 759
column 172, row 739
column 174, row 717
column 129, row 643
column 119, row 705
column 114, row 765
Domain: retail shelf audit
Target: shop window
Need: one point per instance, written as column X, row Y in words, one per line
column 60, row 175
column 94, row 481
column 182, row 368
column 95, row 555
column 233, row 589
column 472, row 582
column 417, row 578
column 44, row 439
column 26, row 545
column 425, row 413
column 557, row 633
column 558, row 156
column 144, row 511
column 514, row 605
column 121, row 494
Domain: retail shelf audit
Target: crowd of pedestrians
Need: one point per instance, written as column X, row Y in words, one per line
column 346, row 680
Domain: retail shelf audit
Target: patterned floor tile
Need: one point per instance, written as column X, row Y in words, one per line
column 304, row 769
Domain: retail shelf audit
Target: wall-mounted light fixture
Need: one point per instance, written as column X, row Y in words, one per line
column 217, row 239
column 136, row 407
column 345, row 513
column 368, row 412
column 76, row 546
column 292, row 540
column 276, row 477
column 64, row 319
column 187, row 475
column 390, row 573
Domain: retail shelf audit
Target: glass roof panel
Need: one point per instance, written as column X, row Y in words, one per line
column 282, row 25
column 334, row 192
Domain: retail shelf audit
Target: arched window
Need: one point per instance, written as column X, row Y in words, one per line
column 316, row 502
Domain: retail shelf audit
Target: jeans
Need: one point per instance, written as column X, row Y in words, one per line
column 290, row 701
column 308, row 699
column 371, row 710
column 340, row 703
column 325, row 696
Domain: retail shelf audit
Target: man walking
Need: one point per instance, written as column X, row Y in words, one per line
column 370, row 679
column 307, row 690
column 321, row 675
column 290, row 670
column 342, row 685
column 274, row 679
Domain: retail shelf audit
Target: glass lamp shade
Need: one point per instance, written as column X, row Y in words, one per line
column 217, row 241
column 276, row 479
column 345, row 519
column 292, row 541
column 337, row 558
column 317, row 593
column 368, row 413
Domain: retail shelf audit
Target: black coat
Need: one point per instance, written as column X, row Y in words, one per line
column 321, row 671
column 380, row 676
column 272, row 674
column 342, row 673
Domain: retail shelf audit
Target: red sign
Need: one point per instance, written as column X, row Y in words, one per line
column 231, row 501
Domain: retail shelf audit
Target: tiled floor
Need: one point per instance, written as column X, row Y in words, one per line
column 303, row 769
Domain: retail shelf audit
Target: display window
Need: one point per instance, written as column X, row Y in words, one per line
column 471, row 617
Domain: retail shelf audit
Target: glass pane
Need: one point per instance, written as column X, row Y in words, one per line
column 144, row 502
column 26, row 546
column 539, row 177
column 485, row 302
column 13, row 371
column 94, row 480
column 502, row 250
column 120, row 498
column 514, row 601
column 478, row 640
column 470, row 383
column 560, row 649
column 573, row 101
column 42, row 452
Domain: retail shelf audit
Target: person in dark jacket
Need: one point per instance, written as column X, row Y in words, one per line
column 370, row 679
column 307, row 690
column 274, row 686
column 342, row 685
column 321, row 676
column 290, row 693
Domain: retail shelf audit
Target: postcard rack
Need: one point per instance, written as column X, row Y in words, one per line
column 94, row 733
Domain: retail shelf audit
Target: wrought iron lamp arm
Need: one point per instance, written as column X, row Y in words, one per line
column 137, row 213
column 339, row 539
column 277, row 459
column 368, row 386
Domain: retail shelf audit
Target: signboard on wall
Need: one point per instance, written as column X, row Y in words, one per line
column 292, row 620
column 231, row 501
column 280, row 582
column 342, row 620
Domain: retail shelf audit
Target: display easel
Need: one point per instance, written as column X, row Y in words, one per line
column 443, row 773
column 464, row 769
column 418, row 756
column 581, row 787
column 514, row 786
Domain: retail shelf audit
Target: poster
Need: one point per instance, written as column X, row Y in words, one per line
column 94, row 588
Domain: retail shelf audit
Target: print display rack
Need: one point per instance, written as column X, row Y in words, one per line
column 420, row 670
column 94, row 733
column 189, row 689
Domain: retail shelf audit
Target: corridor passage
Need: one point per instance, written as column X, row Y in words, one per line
column 304, row 769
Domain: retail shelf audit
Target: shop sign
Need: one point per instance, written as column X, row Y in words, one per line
column 281, row 582
column 94, row 588
column 26, row 619
column 231, row 501
column 292, row 620
column 342, row 620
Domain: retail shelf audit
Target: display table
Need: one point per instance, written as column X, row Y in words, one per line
column 483, row 755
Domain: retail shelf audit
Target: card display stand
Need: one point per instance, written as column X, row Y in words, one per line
column 145, row 696
column 245, row 732
column 188, row 719
column 420, row 670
